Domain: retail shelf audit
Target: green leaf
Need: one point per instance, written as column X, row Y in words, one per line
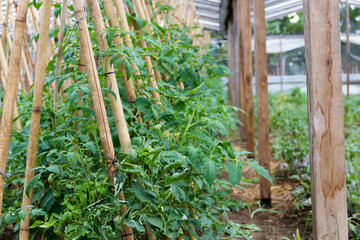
column 234, row 170
column 179, row 194
column 180, row 106
column 57, row 11
column 32, row 183
column 157, row 222
column 38, row 212
column 84, row 138
column 176, row 177
column 91, row 147
column 48, row 201
column 135, row 225
column 141, row 194
column 54, row 169
column 73, row 96
column 194, row 90
column 71, row 155
column 141, row 22
column 260, row 170
column 210, row 170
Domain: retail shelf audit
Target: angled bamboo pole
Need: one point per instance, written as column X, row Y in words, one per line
column 5, row 25
column 11, row 92
column 5, row 70
column 27, row 71
column 121, row 11
column 95, row 88
column 26, row 45
column 35, row 117
column 128, row 83
column 34, row 21
column 97, row 99
column 149, row 66
column 58, row 55
column 116, row 105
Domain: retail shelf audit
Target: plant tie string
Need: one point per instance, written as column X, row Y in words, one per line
column 112, row 163
column 108, row 73
column 4, row 175
column 126, row 235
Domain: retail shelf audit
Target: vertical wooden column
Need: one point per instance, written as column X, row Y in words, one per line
column 236, row 56
column 242, row 87
column 347, row 16
column 230, row 62
column 326, row 124
column 262, row 97
column 248, row 78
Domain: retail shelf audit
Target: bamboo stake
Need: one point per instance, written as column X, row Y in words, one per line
column 5, row 22
column 11, row 92
column 143, row 45
column 5, row 71
column 95, row 88
column 96, row 96
column 27, row 71
column 120, row 10
column 128, row 83
column 116, row 105
column 58, row 56
column 26, row 45
column 34, row 22
column 35, row 117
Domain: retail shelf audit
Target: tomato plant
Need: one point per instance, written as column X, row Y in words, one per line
column 173, row 176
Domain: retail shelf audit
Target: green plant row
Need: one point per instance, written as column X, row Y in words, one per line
column 177, row 162
column 289, row 132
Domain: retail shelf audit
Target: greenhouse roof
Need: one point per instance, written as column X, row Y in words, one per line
column 213, row 13
column 274, row 9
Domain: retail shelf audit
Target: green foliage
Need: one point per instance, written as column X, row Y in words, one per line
column 289, row 132
column 172, row 179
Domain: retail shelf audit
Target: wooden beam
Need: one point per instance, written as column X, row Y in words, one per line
column 262, row 98
column 326, row 124
column 230, row 62
column 242, row 87
column 347, row 16
column 248, row 78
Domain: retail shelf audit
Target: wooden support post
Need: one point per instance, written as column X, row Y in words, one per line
column 248, row 78
column 242, row 86
column 236, row 57
column 230, row 62
column 326, row 124
column 35, row 118
column 11, row 92
column 262, row 98
column 347, row 15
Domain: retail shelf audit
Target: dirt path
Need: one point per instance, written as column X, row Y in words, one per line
column 279, row 222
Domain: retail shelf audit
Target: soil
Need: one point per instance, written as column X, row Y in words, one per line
column 278, row 222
